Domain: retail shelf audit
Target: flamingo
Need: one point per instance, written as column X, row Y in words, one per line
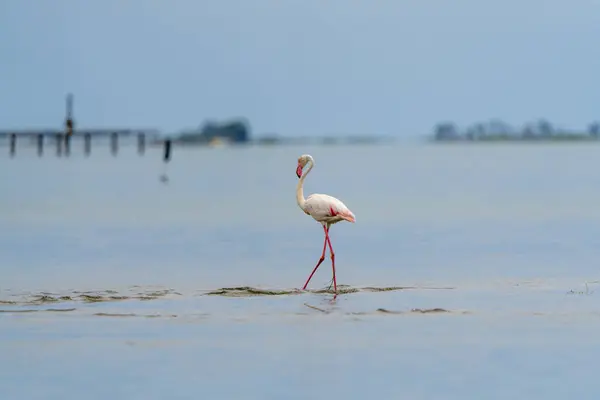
column 325, row 209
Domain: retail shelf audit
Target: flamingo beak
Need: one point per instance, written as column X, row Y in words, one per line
column 299, row 171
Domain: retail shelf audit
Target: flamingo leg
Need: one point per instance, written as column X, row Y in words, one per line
column 332, row 260
column 320, row 259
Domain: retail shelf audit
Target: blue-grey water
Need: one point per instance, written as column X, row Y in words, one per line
column 106, row 274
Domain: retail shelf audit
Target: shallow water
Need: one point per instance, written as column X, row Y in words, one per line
column 115, row 283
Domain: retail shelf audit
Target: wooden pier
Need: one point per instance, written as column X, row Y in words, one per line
column 63, row 141
column 63, row 138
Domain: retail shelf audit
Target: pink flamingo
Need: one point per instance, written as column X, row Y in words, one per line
column 324, row 209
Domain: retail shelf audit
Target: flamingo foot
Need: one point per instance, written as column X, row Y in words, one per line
column 330, row 284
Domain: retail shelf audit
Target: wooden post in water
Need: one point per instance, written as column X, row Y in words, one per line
column 166, row 158
column 167, row 154
column 87, row 143
column 40, row 144
column 141, row 143
column 59, row 143
column 13, row 144
column 114, row 143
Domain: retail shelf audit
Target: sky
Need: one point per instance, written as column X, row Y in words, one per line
column 299, row 67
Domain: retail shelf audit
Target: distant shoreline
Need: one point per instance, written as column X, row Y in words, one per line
column 496, row 130
column 561, row 138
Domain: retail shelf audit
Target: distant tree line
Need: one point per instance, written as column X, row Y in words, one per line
column 496, row 129
column 234, row 131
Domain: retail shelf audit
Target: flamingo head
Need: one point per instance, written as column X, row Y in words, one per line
column 302, row 161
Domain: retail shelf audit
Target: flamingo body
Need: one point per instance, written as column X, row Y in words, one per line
column 327, row 209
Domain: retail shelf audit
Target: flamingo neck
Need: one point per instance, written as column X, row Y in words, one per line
column 300, row 187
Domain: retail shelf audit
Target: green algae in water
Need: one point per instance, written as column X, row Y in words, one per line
column 414, row 310
column 387, row 289
column 92, row 298
column 429, row 310
column 343, row 290
column 44, row 299
column 153, row 294
column 248, row 291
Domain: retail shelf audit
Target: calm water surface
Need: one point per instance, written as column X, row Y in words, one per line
column 105, row 272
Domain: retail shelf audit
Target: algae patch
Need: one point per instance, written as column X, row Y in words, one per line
column 244, row 291
column 387, row 289
column 415, row 311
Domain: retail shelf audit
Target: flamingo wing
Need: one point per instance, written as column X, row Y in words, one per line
column 323, row 207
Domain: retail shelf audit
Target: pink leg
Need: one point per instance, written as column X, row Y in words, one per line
column 332, row 262
column 320, row 259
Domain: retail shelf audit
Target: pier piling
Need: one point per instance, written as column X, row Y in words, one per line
column 114, row 143
column 141, row 143
column 13, row 144
column 59, row 143
column 87, row 144
column 40, row 144
column 67, row 145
